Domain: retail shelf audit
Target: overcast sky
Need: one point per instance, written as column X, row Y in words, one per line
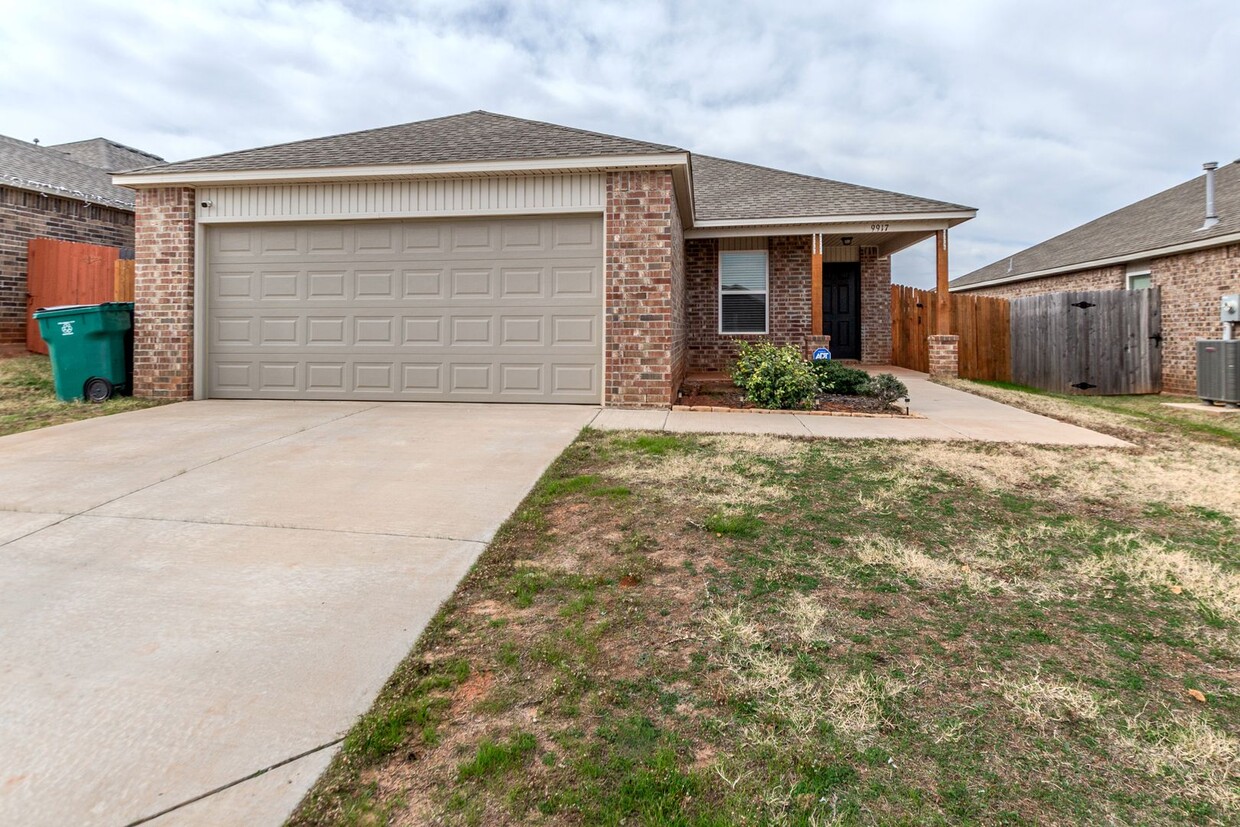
column 1041, row 114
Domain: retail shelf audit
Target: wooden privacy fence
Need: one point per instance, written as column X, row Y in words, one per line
column 1100, row 342
column 981, row 322
column 69, row 272
column 122, row 280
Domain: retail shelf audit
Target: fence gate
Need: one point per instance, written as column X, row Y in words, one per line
column 1102, row 342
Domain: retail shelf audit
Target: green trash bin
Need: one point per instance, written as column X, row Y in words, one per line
column 91, row 346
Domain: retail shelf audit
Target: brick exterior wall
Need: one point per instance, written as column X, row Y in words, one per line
column 25, row 215
column 790, row 298
column 944, row 356
column 641, row 260
column 875, row 307
column 164, row 294
column 1191, row 285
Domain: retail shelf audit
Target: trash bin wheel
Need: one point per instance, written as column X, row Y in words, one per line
column 99, row 390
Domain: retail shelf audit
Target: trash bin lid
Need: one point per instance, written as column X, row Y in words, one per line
column 63, row 308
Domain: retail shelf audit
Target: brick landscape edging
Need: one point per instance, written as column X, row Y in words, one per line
column 858, row 414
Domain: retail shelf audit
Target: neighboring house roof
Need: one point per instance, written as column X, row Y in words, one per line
column 106, row 154
column 472, row 136
column 42, row 169
column 731, row 190
column 1158, row 225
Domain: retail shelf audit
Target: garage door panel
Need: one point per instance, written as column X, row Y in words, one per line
column 504, row 309
column 372, row 377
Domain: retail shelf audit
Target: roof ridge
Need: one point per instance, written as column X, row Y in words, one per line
column 396, row 127
column 306, row 140
column 573, row 129
column 110, row 141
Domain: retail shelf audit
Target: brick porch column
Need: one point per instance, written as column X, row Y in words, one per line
column 944, row 356
column 875, row 307
column 163, row 342
column 640, row 261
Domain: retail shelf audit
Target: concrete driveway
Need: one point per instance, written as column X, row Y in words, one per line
column 194, row 594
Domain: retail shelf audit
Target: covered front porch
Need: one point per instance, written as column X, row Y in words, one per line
column 822, row 285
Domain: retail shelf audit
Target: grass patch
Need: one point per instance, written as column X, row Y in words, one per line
column 28, row 398
column 740, row 526
column 772, row 631
column 495, row 757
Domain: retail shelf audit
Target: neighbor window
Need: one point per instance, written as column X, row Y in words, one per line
column 742, row 292
column 1138, row 276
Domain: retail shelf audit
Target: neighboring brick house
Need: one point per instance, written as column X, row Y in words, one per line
column 1166, row 241
column 481, row 257
column 64, row 192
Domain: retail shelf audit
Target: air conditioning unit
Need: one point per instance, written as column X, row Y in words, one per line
column 1218, row 371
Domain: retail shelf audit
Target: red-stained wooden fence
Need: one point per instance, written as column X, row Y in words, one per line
column 66, row 272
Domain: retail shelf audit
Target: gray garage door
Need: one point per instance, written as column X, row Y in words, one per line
column 506, row 310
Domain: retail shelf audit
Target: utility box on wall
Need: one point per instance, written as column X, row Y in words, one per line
column 1229, row 310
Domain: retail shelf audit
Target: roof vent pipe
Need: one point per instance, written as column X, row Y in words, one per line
column 1211, row 213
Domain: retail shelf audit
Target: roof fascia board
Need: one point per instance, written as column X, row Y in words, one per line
column 954, row 217
column 1140, row 255
column 464, row 168
column 802, row 226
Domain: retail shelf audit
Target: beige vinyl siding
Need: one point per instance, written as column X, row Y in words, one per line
column 435, row 197
column 841, row 254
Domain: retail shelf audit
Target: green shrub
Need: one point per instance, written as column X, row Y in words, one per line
column 835, row 377
column 775, row 377
column 885, row 388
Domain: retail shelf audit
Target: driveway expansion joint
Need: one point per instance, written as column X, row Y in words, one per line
column 279, row 527
column 231, row 784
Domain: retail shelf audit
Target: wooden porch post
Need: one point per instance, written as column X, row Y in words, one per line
column 943, row 299
column 815, row 290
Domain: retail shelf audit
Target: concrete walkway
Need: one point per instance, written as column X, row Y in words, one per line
column 190, row 595
column 948, row 414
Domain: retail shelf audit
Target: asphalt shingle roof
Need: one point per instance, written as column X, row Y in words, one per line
column 1169, row 218
column 32, row 167
column 733, row 190
column 472, row 136
column 106, row 154
column 724, row 190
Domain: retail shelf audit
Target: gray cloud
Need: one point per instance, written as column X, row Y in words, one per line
column 1043, row 115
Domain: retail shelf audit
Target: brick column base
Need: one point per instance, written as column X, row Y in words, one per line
column 812, row 343
column 944, row 357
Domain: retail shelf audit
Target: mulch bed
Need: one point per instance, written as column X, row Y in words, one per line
column 718, row 395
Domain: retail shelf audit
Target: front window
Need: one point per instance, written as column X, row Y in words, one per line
column 742, row 292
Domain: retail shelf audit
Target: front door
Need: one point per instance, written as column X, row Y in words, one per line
column 841, row 308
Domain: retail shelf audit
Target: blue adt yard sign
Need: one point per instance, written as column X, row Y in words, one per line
column 821, row 353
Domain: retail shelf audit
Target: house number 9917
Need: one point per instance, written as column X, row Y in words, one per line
column 879, row 228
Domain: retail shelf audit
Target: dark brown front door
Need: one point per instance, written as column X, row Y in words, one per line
column 841, row 308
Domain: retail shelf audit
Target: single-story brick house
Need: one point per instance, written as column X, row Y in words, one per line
column 62, row 191
column 482, row 257
column 1172, row 240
